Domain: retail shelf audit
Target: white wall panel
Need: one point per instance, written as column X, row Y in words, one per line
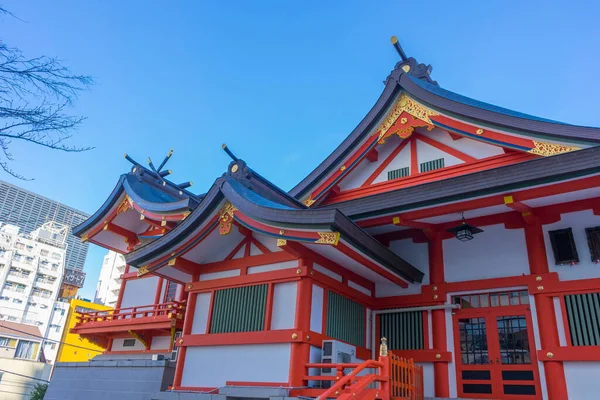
column 284, row 305
column 160, row 343
column 212, row 366
column 316, row 309
column 139, row 292
column 201, row 313
column 582, row 380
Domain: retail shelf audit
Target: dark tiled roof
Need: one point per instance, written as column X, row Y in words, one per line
column 251, row 198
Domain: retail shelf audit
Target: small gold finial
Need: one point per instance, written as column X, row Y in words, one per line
column 223, row 146
column 383, row 349
column 234, row 168
column 170, row 154
column 394, row 39
column 125, row 155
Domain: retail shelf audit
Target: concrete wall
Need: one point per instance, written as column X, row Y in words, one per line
column 101, row 380
column 212, row 366
column 15, row 387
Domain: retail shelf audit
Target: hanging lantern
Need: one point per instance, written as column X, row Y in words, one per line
column 464, row 232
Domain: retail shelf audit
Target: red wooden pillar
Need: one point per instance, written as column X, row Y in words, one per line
column 300, row 350
column 159, row 286
column 538, row 264
column 122, row 288
column 438, row 317
column 187, row 329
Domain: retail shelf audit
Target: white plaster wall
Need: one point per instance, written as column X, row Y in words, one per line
column 316, row 309
column 160, row 343
column 577, row 221
column 358, row 287
column 139, row 292
column 254, row 251
column 400, row 161
column 538, row 344
column 415, row 253
column 284, row 305
column 428, row 379
column 273, row 267
column 495, row 253
column 118, row 345
column 468, row 146
column 218, row 275
column 582, row 380
column 327, row 272
column 359, row 175
column 449, row 347
column 560, row 323
column 212, row 366
column 201, row 313
column 426, row 152
column 269, row 242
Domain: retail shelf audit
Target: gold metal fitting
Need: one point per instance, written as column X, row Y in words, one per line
column 189, row 286
column 549, row 354
column 438, row 356
column 479, row 131
column 337, row 392
column 234, row 168
column 343, row 168
column 538, row 278
column 394, row 39
column 312, row 273
column 403, row 120
column 435, row 296
column 540, row 287
column 181, row 341
column 294, row 336
column 281, row 232
column 307, row 337
column 434, row 288
column 298, row 271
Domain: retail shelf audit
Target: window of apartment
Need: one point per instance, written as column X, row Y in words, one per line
column 20, row 246
column 44, row 252
column 563, row 246
column 398, row 173
column 5, row 298
column 56, row 256
column 404, row 331
column 29, row 248
column 129, row 343
column 239, row 309
column 18, row 301
column 431, row 165
column 28, row 260
column 593, row 238
column 26, row 349
column 582, row 316
column 17, row 257
column 345, row 319
column 7, row 342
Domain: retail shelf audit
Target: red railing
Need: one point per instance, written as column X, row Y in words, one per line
column 172, row 309
column 395, row 378
column 406, row 378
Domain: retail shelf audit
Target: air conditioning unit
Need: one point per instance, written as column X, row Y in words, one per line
column 335, row 352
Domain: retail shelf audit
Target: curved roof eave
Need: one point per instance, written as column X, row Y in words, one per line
column 106, row 206
column 457, row 104
column 232, row 190
column 187, row 227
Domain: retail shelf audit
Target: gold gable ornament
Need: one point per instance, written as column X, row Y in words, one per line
column 550, row 149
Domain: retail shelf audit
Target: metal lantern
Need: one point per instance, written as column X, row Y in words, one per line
column 464, row 232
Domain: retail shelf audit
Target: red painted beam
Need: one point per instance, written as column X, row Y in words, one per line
column 510, row 202
column 118, row 230
column 385, row 163
column 399, row 221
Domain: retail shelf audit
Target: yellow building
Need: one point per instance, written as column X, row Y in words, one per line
column 74, row 347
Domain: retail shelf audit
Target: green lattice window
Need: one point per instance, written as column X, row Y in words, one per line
column 404, row 331
column 431, row 165
column 583, row 315
column 398, row 173
column 345, row 319
column 239, row 309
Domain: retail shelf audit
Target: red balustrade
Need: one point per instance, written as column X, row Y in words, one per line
column 172, row 309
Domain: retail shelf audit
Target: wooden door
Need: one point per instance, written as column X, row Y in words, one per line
column 495, row 354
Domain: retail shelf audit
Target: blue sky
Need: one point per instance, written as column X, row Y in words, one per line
column 281, row 82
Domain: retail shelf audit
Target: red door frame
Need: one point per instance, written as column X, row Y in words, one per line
column 493, row 342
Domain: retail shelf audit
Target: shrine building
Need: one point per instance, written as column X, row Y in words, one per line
column 466, row 234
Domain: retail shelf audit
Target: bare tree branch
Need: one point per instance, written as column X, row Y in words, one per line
column 35, row 94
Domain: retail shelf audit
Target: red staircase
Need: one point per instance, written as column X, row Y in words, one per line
column 395, row 378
